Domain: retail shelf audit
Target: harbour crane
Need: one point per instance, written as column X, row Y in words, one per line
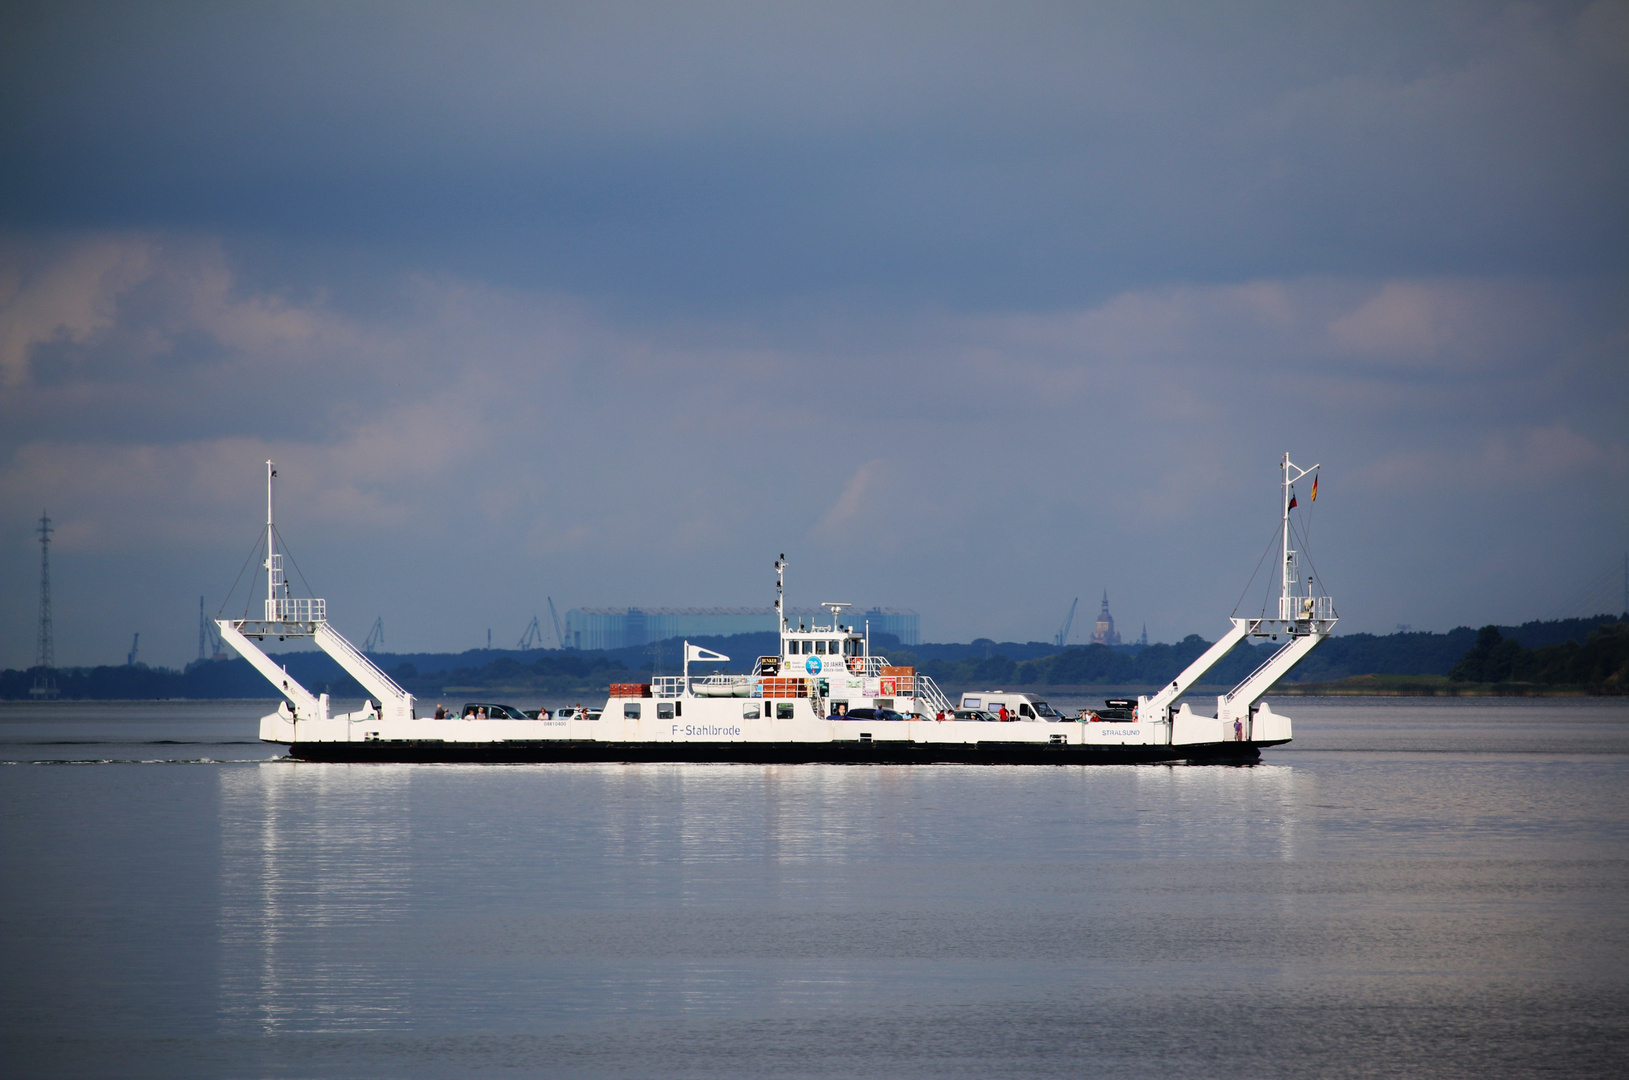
column 559, row 634
column 210, row 645
column 533, row 637
column 130, row 661
column 1068, row 624
column 376, row 636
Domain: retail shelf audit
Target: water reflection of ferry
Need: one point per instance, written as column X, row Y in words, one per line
column 824, row 697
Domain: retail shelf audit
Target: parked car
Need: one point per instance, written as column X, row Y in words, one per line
column 874, row 714
column 976, row 714
column 493, row 712
column 1116, row 709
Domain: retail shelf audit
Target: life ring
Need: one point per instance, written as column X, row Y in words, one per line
column 856, row 664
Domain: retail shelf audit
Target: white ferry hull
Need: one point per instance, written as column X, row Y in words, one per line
column 713, row 730
column 855, row 752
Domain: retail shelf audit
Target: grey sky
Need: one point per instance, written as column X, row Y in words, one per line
column 970, row 309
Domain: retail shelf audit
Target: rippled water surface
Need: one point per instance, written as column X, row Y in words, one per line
column 1426, row 888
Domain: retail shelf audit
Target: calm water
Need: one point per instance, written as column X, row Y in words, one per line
column 1411, row 889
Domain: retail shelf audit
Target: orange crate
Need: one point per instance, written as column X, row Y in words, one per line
column 785, row 688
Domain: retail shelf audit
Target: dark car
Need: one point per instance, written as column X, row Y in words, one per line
column 873, row 714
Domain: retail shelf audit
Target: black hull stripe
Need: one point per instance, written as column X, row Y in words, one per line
column 873, row 753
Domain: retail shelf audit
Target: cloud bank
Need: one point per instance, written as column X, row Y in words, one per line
column 615, row 303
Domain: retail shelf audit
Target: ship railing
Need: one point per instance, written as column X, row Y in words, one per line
column 929, row 698
column 1263, row 666
column 1304, row 608
column 289, row 609
column 666, row 686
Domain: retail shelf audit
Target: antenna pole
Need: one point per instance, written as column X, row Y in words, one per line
column 1288, row 574
column 1292, row 473
column 45, row 680
column 780, row 597
column 271, row 547
column 47, row 653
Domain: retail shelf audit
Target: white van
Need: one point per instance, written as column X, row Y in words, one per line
column 1019, row 706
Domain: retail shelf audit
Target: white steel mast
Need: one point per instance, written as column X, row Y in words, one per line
column 780, row 597
column 1286, row 606
column 273, row 563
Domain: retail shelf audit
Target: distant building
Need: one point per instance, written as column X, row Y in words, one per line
column 621, row 628
column 1104, row 633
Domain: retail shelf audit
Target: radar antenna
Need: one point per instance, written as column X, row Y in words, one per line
column 836, row 610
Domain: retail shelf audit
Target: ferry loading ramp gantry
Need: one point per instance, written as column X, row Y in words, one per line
column 1303, row 619
column 290, row 617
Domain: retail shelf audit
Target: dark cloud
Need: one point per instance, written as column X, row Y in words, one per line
column 1007, row 154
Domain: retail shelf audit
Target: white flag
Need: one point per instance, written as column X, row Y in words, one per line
column 696, row 652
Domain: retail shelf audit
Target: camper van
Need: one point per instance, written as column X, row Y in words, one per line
column 1019, row 706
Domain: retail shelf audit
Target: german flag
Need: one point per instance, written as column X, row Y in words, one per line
column 1315, row 488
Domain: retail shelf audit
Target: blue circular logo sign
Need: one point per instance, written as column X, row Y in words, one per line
column 812, row 665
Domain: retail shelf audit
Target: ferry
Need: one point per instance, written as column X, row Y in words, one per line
column 824, row 697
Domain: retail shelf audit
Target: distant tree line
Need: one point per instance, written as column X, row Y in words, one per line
column 1601, row 661
column 1573, row 652
column 551, row 673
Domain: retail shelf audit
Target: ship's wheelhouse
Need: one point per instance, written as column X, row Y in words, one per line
column 796, row 644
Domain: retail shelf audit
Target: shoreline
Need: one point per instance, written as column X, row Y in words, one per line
column 1435, row 686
